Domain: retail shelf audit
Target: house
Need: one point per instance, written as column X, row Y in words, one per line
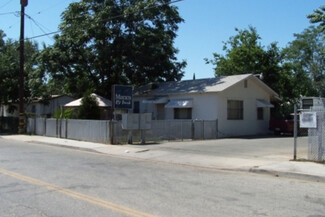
column 39, row 107
column 240, row 103
column 104, row 104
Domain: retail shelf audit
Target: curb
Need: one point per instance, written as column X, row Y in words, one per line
column 300, row 176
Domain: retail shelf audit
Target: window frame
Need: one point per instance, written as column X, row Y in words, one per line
column 235, row 109
column 179, row 112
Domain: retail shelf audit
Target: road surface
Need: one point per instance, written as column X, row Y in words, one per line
column 41, row 180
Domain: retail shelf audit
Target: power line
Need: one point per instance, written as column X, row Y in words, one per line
column 39, row 25
column 38, row 36
column 107, row 19
column 5, row 4
column 13, row 12
column 51, row 7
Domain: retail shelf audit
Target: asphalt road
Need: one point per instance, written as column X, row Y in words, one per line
column 41, row 180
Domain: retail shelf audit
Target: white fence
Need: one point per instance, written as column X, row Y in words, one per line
column 84, row 130
column 112, row 132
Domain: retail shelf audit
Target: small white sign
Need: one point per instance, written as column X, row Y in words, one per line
column 132, row 121
column 308, row 120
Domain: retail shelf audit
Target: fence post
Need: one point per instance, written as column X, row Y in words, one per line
column 202, row 131
column 33, row 132
column 182, row 135
column 320, row 144
column 217, row 130
column 295, row 129
column 112, row 131
column 192, row 129
column 57, row 128
column 44, row 133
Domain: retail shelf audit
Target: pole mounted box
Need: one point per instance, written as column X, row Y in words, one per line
column 24, row 2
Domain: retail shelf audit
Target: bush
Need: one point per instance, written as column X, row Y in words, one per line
column 64, row 113
column 89, row 108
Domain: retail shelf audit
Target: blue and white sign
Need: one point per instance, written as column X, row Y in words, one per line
column 122, row 97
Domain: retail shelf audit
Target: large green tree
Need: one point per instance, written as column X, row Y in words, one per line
column 306, row 57
column 243, row 53
column 318, row 17
column 9, row 71
column 105, row 42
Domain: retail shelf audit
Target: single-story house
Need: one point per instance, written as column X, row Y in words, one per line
column 39, row 107
column 104, row 104
column 240, row 103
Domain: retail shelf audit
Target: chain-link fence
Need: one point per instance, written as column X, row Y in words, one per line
column 310, row 138
column 169, row 130
column 316, row 137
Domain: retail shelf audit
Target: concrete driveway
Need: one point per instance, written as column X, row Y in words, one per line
column 249, row 148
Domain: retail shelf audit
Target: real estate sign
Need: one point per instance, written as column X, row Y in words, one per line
column 122, row 97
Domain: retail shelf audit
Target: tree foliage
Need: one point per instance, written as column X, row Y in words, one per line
column 242, row 53
column 298, row 70
column 318, row 17
column 114, row 42
column 9, row 71
column 306, row 57
column 245, row 54
column 89, row 108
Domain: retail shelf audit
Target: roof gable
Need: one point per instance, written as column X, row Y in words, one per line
column 102, row 102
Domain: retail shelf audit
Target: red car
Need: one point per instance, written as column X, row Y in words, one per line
column 285, row 126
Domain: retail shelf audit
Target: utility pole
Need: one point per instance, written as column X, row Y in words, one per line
column 21, row 129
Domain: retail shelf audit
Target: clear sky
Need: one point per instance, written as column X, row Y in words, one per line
column 207, row 24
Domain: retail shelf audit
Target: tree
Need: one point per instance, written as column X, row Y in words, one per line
column 318, row 17
column 114, row 42
column 89, row 108
column 245, row 54
column 9, row 71
column 306, row 57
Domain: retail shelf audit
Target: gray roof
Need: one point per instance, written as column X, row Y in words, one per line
column 208, row 85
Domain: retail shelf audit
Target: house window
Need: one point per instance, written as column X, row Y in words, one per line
column 183, row 113
column 235, row 110
column 260, row 114
column 136, row 107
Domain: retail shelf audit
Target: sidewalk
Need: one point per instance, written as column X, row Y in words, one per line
column 276, row 165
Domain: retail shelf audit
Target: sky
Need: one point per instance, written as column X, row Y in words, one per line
column 208, row 23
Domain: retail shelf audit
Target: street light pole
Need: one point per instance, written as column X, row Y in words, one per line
column 21, row 129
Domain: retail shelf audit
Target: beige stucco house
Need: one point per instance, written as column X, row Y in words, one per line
column 240, row 103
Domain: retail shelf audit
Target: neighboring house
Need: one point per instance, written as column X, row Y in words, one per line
column 240, row 103
column 39, row 107
column 104, row 104
column 4, row 111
